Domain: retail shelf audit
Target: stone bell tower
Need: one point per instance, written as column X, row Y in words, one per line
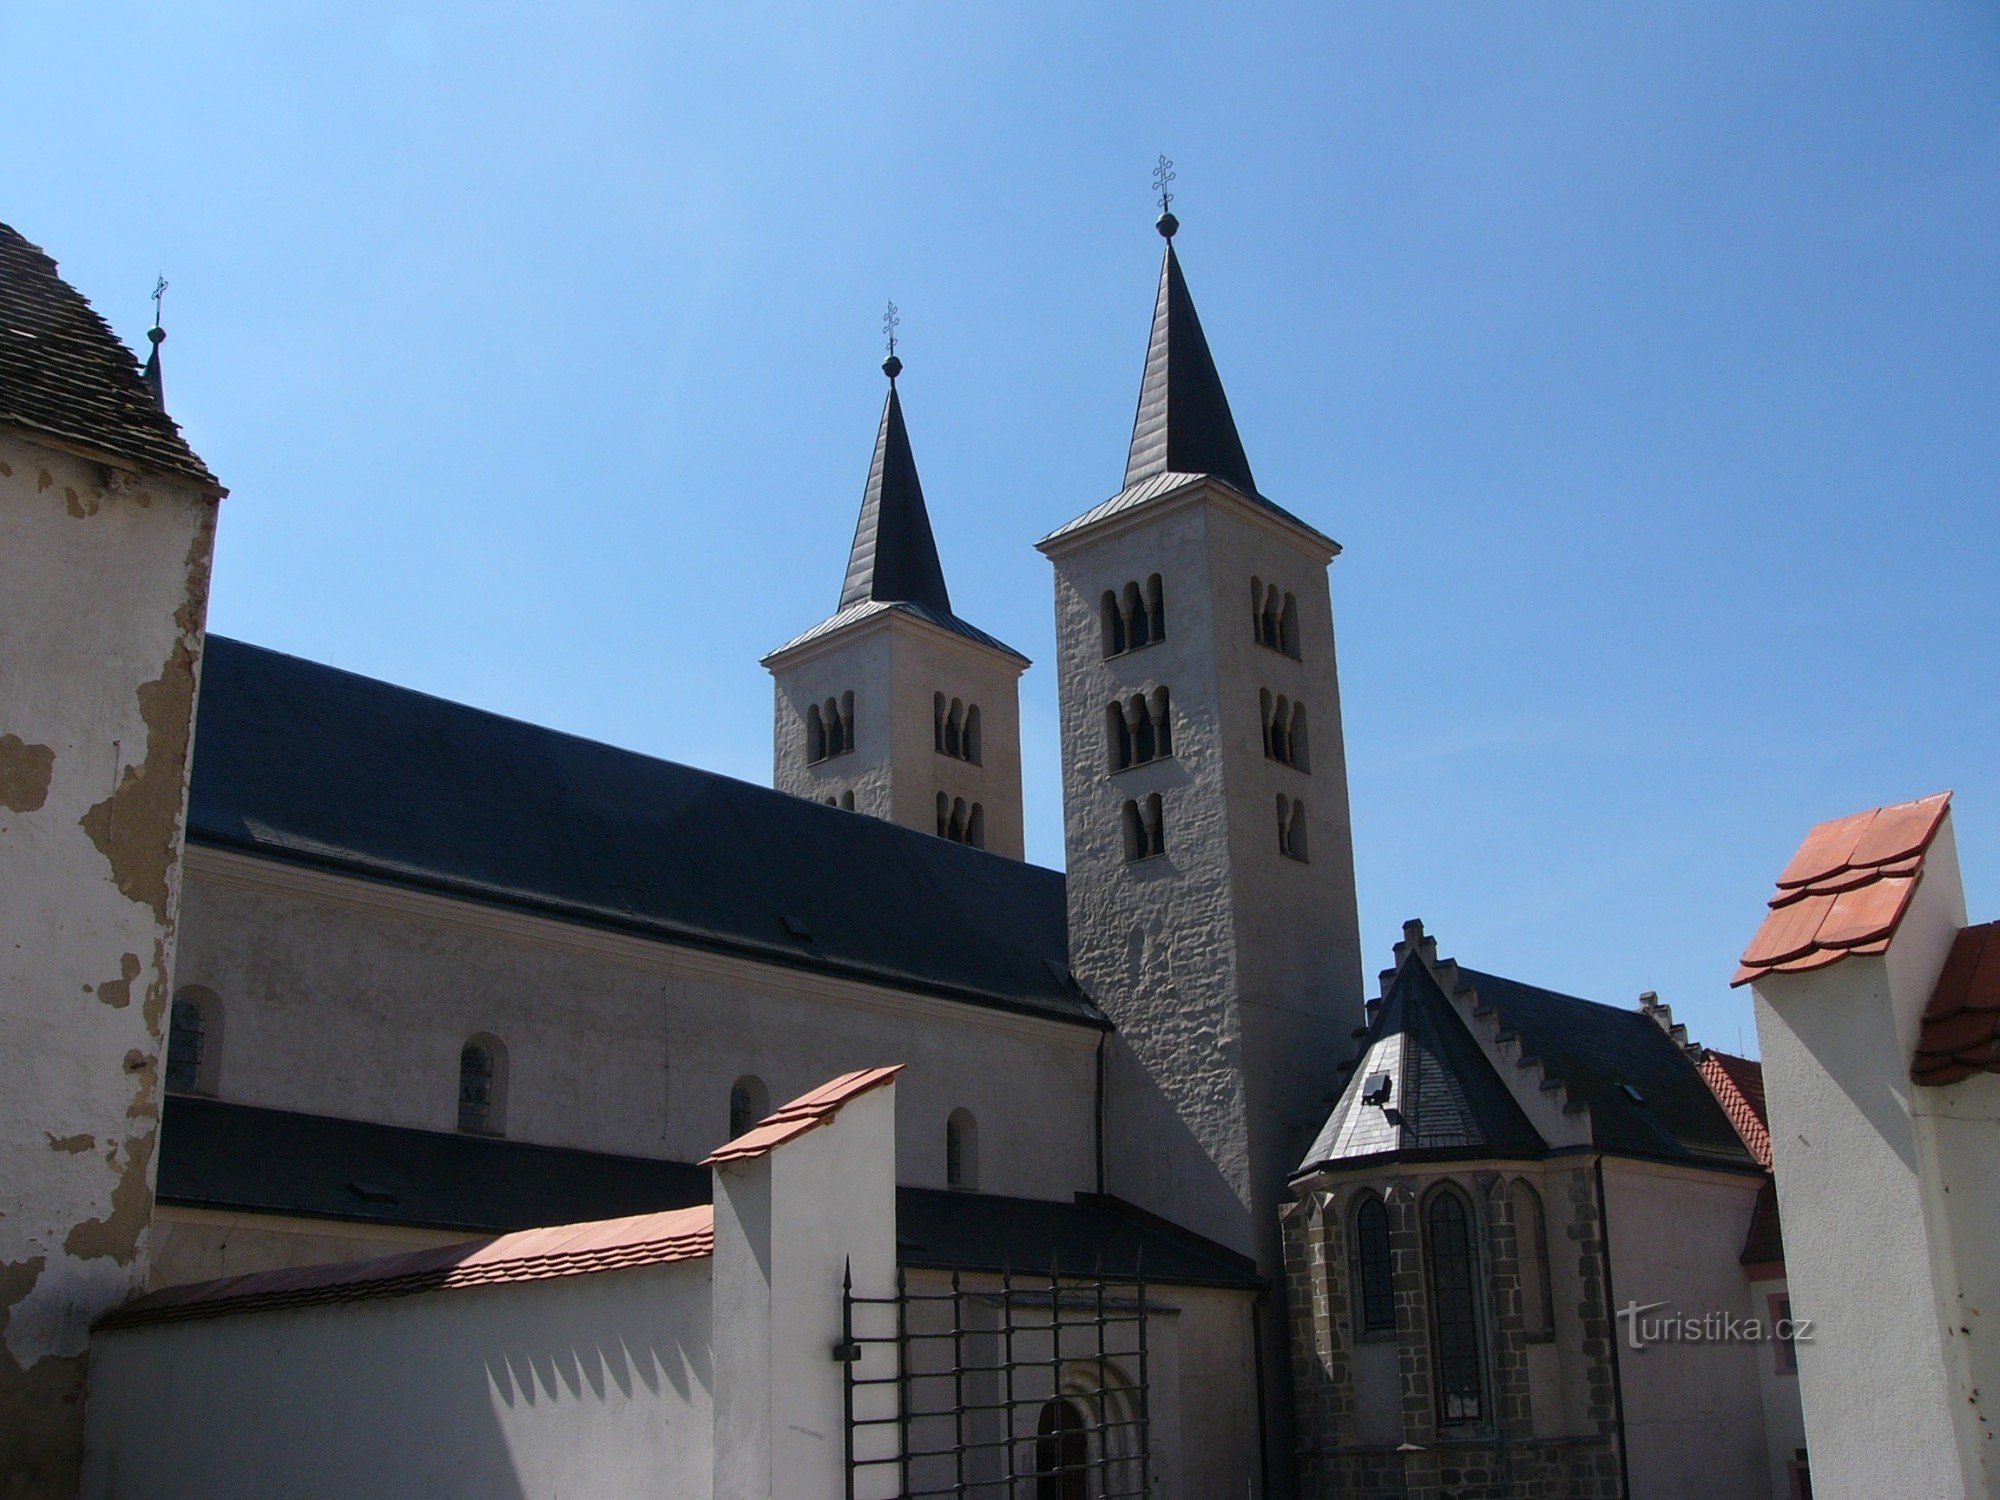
column 1211, row 873
column 893, row 706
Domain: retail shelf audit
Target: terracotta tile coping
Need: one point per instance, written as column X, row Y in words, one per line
column 807, row 1112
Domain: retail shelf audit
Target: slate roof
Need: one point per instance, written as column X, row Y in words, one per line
column 869, row 608
column 65, row 374
column 526, row 1255
column 1449, row 1098
column 1846, row 889
column 313, row 765
column 236, row 1157
column 1598, row 1051
column 894, row 556
column 1960, row 1034
column 1444, row 1095
column 1184, row 431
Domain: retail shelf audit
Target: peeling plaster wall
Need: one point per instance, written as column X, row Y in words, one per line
column 105, row 582
column 344, row 997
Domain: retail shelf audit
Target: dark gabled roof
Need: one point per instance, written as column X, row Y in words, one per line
column 855, row 613
column 1184, row 425
column 240, row 1158
column 66, row 375
column 1597, row 1051
column 1764, row 1245
column 1444, row 1095
column 895, row 556
column 313, row 765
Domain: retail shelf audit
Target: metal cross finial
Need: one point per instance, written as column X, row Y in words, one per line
column 1163, row 173
column 890, row 323
column 159, row 295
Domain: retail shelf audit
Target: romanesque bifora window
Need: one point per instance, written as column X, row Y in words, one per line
column 1291, row 827
column 1139, row 729
column 1274, row 618
column 1371, row 1262
column 960, row 821
column 1134, row 616
column 187, row 1043
column 749, row 1102
column 1454, row 1298
column 830, row 728
column 1286, row 738
column 1145, row 828
column 482, row 1080
column 956, row 728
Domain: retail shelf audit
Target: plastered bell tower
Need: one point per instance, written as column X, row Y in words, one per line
column 893, row 706
column 1211, row 873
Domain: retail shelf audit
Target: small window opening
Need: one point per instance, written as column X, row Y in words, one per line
column 1285, row 732
column 187, row 1038
column 1062, row 1452
column 482, row 1064
column 1274, row 618
column 961, row 1150
column 1292, row 828
column 1531, row 1241
column 1134, row 617
column 1139, row 730
column 749, row 1102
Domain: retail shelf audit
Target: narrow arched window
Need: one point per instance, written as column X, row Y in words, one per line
column 1163, row 725
column 961, row 1150
column 847, row 801
column 187, row 1041
column 1454, row 1288
column 1256, row 609
column 975, row 827
column 1135, row 833
column 954, row 729
column 1145, row 831
column 1156, row 606
column 943, row 816
column 1145, row 742
column 749, row 1102
column 937, row 721
column 1062, row 1452
column 482, row 1082
column 1295, row 738
column 1531, row 1241
column 1291, row 827
column 1114, row 624
column 1118, row 736
column 1267, row 619
column 1371, row 1262
column 955, row 829
column 971, row 742
column 815, row 734
column 1288, row 628
column 846, row 721
column 1138, row 629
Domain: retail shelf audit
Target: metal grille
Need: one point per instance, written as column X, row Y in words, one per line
column 1005, row 1388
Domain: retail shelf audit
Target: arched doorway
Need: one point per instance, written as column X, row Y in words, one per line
column 1062, row 1452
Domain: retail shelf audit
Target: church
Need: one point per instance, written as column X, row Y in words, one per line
column 424, row 1057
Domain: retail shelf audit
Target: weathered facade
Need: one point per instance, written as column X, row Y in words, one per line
column 107, row 520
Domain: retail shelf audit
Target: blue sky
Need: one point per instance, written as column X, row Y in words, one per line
column 1645, row 359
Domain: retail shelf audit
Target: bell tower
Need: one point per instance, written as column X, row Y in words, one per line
column 1211, row 873
column 893, row 706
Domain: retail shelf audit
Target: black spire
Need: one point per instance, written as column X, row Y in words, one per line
column 157, row 336
column 895, row 556
column 1184, row 425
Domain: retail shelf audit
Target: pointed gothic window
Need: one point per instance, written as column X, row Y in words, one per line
column 1454, row 1295
column 1531, row 1241
column 1371, row 1260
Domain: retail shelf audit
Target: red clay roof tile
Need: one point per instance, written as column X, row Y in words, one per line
column 1960, row 1035
column 807, row 1112
column 1738, row 1086
column 528, row 1255
column 1846, row 889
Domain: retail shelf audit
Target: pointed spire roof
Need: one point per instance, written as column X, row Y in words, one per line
column 1184, row 425
column 155, row 382
column 894, row 559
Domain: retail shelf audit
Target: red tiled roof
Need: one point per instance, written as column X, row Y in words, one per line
column 1846, row 889
column 807, row 1112
column 527, row 1255
column 1961, row 1028
column 1738, row 1086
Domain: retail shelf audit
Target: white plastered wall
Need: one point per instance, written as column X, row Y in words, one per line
column 585, row 1384
column 104, row 578
column 351, row 998
column 1880, row 1380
